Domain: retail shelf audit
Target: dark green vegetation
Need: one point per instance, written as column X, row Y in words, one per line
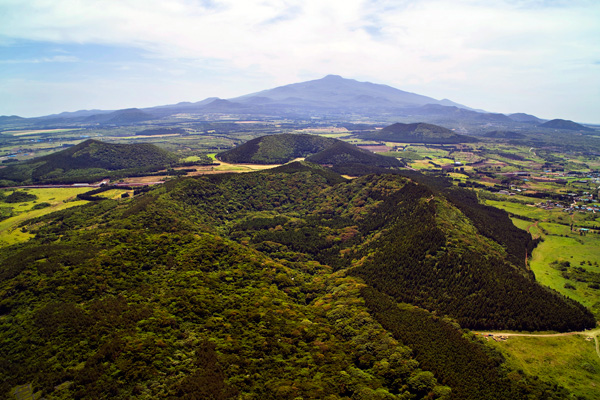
column 87, row 162
column 279, row 149
column 19, row 196
column 345, row 153
column 577, row 273
column 565, row 124
column 459, row 360
column 418, row 133
column 248, row 286
column 276, row 149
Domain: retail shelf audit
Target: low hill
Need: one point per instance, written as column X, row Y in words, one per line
column 522, row 117
column 276, row 149
column 120, row 117
column 345, row 153
column 418, row 133
column 86, row 162
column 288, row 283
column 564, row 124
column 504, row 135
column 279, row 149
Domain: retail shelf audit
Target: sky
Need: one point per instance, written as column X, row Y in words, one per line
column 540, row 57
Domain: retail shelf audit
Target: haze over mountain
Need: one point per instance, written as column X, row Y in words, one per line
column 331, row 97
column 564, row 124
column 333, row 91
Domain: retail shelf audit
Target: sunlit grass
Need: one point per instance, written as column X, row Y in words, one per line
column 58, row 198
column 570, row 361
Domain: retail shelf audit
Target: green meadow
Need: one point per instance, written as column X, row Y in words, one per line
column 57, row 199
column 560, row 244
column 570, row 361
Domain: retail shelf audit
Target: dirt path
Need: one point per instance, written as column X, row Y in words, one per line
column 533, row 334
column 590, row 333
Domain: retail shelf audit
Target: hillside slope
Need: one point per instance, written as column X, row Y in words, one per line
column 279, row 149
column 251, row 285
column 276, row 149
column 87, row 161
column 345, row 153
column 564, row 124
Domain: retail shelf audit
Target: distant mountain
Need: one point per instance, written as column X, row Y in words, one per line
column 418, row 133
column 331, row 98
column 335, row 92
column 445, row 112
column 522, row 117
column 504, row 135
column 120, row 117
column 10, row 118
column 79, row 114
column 279, row 149
column 564, row 124
column 87, row 162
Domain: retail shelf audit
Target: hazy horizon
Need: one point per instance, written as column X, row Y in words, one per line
column 539, row 57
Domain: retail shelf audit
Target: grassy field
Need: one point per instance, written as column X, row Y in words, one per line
column 570, row 361
column 521, row 224
column 559, row 243
column 575, row 250
column 38, row 131
column 58, row 198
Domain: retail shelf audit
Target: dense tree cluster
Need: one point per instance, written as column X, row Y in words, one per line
column 458, row 360
column 253, row 286
column 89, row 161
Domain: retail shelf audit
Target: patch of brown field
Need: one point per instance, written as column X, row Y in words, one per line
column 154, row 136
column 489, row 164
column 31, row 132
column 331, row 129
column 489, row 180
column 375, row 148
column 147, row 180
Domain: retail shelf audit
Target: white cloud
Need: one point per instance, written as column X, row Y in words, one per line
column 53, row 59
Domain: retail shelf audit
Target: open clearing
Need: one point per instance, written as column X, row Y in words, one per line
column 59, row 199
column 559, row 243
column 570, row 360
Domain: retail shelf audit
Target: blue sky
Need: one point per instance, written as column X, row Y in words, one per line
column 534, row 56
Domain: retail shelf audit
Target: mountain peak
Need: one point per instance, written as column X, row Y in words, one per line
column 332, row 77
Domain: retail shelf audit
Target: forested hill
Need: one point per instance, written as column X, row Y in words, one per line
column 276, row 149
column 280, row 284
column 564, row 124
column 279, row 149
column 345, row 153
column 87, row 161
column 418, row 133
